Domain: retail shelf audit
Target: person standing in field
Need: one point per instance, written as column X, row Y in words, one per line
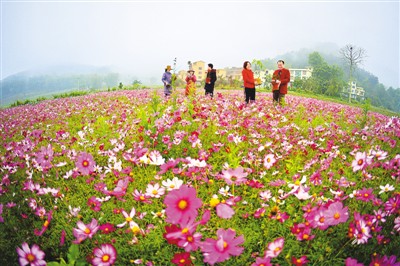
column 190, row 83
column 280, row 81
column 210, row 80
column 248, row 82
column 166, row 79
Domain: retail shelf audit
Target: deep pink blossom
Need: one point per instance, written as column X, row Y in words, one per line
column 221, row 249
column 182, row 204
column 182, row 259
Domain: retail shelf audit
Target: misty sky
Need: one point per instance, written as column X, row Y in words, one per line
column 143, row 37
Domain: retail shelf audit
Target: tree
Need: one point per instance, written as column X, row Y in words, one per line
column 316, row 60
column 353, row 56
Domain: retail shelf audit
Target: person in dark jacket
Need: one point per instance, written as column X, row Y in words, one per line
column 210, row 80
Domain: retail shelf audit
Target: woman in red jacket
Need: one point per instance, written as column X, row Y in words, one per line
column 248, row 81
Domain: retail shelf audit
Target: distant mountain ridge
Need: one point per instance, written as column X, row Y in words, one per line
column 47, row 81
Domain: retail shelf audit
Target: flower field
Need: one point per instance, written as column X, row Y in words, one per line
column 131, row 178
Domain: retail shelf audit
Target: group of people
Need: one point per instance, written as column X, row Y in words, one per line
column 280, row 81
column 191, row 79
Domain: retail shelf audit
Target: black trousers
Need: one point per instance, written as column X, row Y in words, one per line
column 210, row 91
column 250, row 94
column 278, row 97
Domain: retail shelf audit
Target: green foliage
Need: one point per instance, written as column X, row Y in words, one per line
column 73, row 258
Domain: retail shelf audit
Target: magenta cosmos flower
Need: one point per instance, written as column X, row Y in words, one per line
column 85, row 163
column 105, row 255
column 85, row 230
column 32, row 256
column 221, row 249
column 182, row 205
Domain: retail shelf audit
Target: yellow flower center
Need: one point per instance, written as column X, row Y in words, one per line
column 190, row 239
column 277, row 249
column 182, row 204
column 360, row 162
column 171, row 186
column 225, row 244
column 87, row 230
column 336, row 216
column 30, row 257
column 128, row 219
column 135, row 229
column 155, row 192
column 46, row 224
column 305, row 236
column 85, row 163
column 142, row 198
column 182, row 261
column 105, row 258
column 214, row 202
column 185, row 230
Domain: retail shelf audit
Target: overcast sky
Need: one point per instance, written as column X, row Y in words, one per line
column 145, row 36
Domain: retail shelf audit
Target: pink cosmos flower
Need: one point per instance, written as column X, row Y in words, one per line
column 32, row 256
column 182, row 204
column 221, row 249
column 269, row 161
column 45, row 225
column 262, row 262
column 85, row 163
column 62, row 238
column 234, row 176
column 275, row 248
column 106, row 255
column 352, row 262
column 393, row 204
column 1, row 212
column 365, row 194
column 397, row 224
column 45, row 157
column 361, row 161
column 94, row 204
column 128, row 218
column 141, row 197
column 187, row 237
column 85, row 230
column 335, row 214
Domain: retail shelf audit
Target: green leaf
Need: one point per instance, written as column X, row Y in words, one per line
column 73, row 253
column 53, row 263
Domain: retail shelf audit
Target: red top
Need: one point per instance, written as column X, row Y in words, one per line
column 284, row 76
column 248, row 78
